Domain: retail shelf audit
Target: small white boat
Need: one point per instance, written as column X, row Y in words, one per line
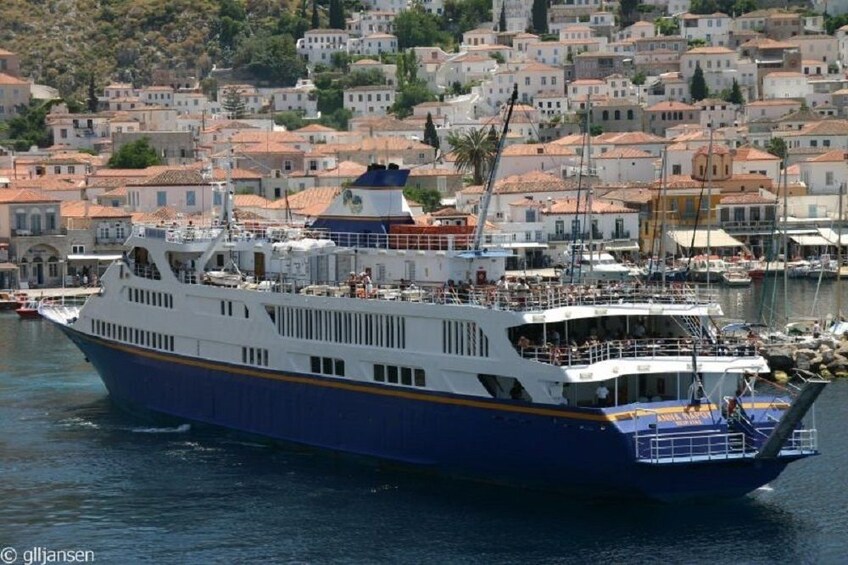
column 222, row 278
column 736, row 278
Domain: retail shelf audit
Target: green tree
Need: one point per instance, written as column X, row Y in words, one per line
column 628, row 12
column 638, row 79
column 734, row 96
column 430, row 200
column 291, row 24
column 336, row 119
column 833, row 23
column 135, row 155
column 409, row 95
column 697, row 85
column 316, row 21
column 290, row 120
column 667, row 26
column 233, row 104
column 270, row 58
column 502, row 20
column 417, row 28
column 91, row 102
column 459, row 16
column 777, row 147
column 340, row 61
column 540, row 16
column 473, row 150
column 431, row 136
column 337, row 15
column 29, row 126
column 596, row 130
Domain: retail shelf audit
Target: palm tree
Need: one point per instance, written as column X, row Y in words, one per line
column 473, row 150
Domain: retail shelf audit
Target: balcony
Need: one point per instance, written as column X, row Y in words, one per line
column 38, row 232
column 585, row 236
column 746, row 225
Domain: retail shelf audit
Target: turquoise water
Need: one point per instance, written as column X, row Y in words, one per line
column 76, row 473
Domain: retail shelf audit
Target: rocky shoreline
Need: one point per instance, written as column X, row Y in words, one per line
column 826, row 356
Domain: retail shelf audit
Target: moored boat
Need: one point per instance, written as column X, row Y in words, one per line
column 29, row 310
column 736, row 277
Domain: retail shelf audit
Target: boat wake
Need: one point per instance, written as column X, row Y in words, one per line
column 181, row 429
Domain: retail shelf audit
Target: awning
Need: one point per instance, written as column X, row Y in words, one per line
column 93, row 257
column 717, row 238
column 8, row 267
column 622, row 246
column 522, row 245
column 810, row 240
column 833, row 236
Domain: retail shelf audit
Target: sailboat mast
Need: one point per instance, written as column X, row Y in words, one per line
column 785, row 240
column 839, row 254
column 709, row 200
column 663, row 183
column 589, row 182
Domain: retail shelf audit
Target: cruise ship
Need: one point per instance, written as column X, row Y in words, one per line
column 366, row 334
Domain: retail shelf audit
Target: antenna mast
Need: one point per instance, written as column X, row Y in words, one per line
column 490, row 183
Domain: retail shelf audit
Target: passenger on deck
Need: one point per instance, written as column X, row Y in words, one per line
column 351, row 282
column 523, row 343
column 602, row 394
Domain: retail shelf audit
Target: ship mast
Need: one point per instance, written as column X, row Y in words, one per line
column 493, row 170
column 662, row 199
column 839, row 255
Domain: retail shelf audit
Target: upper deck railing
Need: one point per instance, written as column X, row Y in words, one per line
column 275, row 233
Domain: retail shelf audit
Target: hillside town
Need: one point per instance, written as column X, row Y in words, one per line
column 670, row 127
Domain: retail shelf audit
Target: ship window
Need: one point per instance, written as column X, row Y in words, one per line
column 419, row 377
column 392, row 376
column 380, row 373
column 316, row 364
column 406, row 376
column 340, row 371
column 327, row 366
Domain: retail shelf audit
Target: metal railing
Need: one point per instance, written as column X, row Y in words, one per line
column 690, row 447
column 534, row 298
column 641, row 348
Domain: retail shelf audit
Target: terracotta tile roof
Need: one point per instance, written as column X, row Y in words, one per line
column 753, row 154
column 747, row 199
column 50, row 183
column 835, row 156
column 13, row 196
column 668, row 105
column 544, row 149
column 173, row 177
column 573, row 206
column 120, row 192
column 709, row 51
column 628, row 195
column 785, row 74
column 625, row 153
column 250, row 137
column 344, row 169
column 249, row 201
column 10, row 80
column 270, row 147
column 449, row 212
column 716, row 149
column 82, row 209
column 309, row 202
column 533, row 181
column 316, row 128
column 679, row 181
column 824, row 127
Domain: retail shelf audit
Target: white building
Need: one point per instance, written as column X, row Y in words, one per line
column 714, row 29
column 318, row 45
column 294, row 100
column 719, row 65
column 531, row 78
column 369, row 100
column 786, row 84
column 157, row 96
column 374, row 45
column 182, row 189
column 626, row 165
column 824, row 174
column 367, row 23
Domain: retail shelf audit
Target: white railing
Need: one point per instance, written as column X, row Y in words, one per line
column 653, row 348
column 690, row 447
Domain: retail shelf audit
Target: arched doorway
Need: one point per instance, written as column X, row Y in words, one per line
column 38, row 271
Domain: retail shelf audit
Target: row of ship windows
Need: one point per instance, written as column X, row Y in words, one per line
column 392, row 374
column 254, row 356
column 227, row 309
column 406, row 376
column 464, row 338
column 353, row 328
column 134, row 336
column 151, row 298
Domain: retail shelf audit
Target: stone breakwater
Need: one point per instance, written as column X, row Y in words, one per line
column 826, row 355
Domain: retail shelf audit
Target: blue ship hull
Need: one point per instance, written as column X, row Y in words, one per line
column 557, row 448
